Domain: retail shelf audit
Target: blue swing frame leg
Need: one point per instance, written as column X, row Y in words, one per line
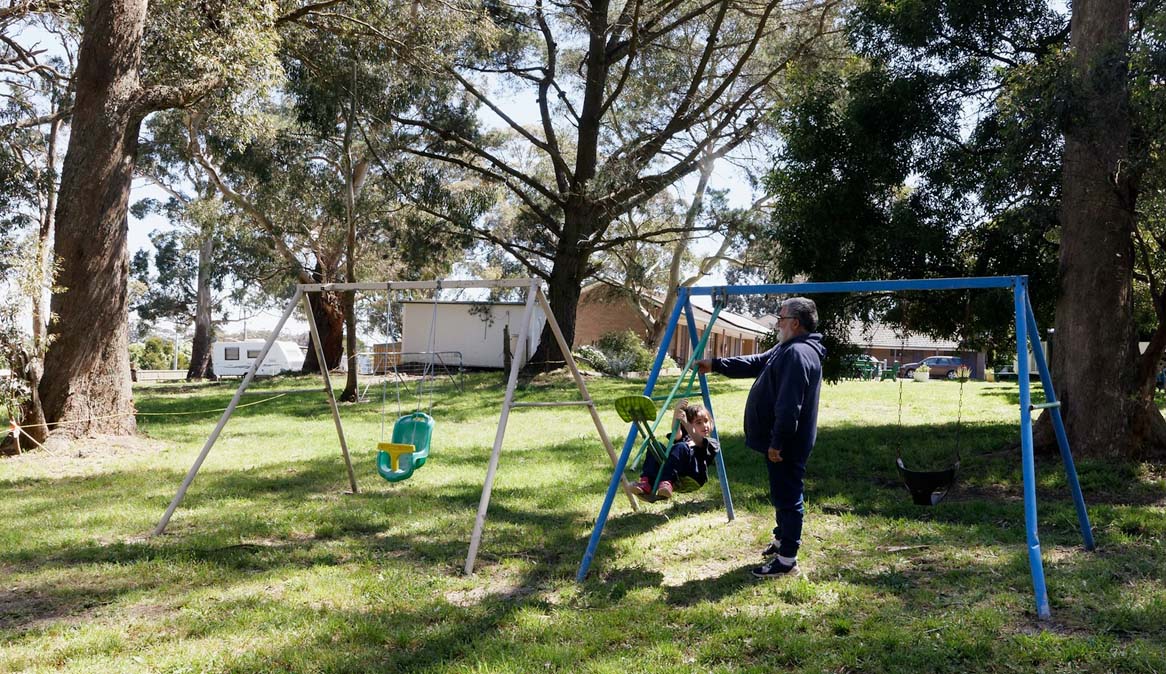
column 1059, row 428
column 726, row 495
column 1035, row 565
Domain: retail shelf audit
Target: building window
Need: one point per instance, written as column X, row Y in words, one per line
column 231, row 353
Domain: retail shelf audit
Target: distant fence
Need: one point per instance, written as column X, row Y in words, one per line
column 159, row 375
column 414, row 364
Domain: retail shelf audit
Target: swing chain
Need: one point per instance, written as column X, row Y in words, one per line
column 430, row 367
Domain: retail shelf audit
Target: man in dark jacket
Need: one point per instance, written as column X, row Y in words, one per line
column 781, row 420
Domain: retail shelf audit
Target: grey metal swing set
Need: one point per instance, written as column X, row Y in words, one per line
column 533, row 297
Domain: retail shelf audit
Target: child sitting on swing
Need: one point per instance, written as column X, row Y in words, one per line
column 689, row 458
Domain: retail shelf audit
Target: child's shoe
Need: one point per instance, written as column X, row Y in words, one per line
column 642, row 488
column 664, row 490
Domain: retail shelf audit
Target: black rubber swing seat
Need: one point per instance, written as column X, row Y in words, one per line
column 927, row 487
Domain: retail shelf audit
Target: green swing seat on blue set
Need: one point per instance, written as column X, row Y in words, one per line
column 409, row 449
column 640, row 410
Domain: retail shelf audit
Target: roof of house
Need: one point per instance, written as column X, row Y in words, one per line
column 877, row 335
column 702, row 306
column 702, row 309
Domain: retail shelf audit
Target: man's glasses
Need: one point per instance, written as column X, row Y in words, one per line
column 782, row 318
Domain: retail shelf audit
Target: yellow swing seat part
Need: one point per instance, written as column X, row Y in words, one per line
column 395, row 461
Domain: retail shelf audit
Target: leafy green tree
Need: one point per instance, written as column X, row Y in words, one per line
column 628, row 98
column 194, row 270
column 130, row 63
column 949, row 145
column 35, row 104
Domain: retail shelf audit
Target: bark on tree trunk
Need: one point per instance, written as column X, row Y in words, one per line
column 350, row 189
column 44, row 249
column 350, row 386
column 201, row 364
column 328, row 309
column 86, row 379
column 1105, row 403
column 563, row 288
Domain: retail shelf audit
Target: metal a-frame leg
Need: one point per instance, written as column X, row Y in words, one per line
column 1036, row 566
column 507, row 403
column 210, row 441
column 1053, row 407
column 534, row 293
column 331, row 394
column 582, row 385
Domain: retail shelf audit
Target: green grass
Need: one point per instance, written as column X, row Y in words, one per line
column 269, row 565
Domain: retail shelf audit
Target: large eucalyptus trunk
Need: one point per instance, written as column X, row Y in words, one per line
column 1107, row 407
column 564, row 285
column 328, row 310
column 86, row 382
column 201, row 363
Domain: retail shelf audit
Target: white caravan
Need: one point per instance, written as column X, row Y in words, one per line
column 234, row 359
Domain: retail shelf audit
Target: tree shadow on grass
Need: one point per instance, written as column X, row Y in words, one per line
column 413, row 632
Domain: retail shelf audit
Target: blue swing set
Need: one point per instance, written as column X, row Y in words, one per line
column 1026, row 335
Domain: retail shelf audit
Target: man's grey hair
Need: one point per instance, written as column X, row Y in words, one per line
column 803, row 309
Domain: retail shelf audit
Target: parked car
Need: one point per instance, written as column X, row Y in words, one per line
column 862, row 366
column 940, row 367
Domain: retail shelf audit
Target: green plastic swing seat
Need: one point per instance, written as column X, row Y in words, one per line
column 409, row 449
column 632, row 409
column 641, row 410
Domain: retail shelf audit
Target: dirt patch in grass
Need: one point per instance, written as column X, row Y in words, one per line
column 82, row 456
column 24, row 609
column 505, row 586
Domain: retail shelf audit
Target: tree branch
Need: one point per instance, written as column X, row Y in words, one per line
column 446, row 134
column 165, row 96
column 562, row 171
column 43, row 119
column 260, row 218
column 521, row 194
column 305, row 10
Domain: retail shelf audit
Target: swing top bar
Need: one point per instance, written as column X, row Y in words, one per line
column 416, row 285
column 861, row 286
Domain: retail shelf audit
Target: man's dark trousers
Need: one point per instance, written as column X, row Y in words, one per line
column 786, row 487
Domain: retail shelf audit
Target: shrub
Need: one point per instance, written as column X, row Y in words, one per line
column 626, row 346
column 592, row 356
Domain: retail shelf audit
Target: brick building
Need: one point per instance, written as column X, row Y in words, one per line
column 600, row 311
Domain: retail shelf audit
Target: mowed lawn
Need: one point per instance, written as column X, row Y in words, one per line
column 270, row 565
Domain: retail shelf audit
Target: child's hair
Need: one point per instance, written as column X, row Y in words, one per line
column 693, row 409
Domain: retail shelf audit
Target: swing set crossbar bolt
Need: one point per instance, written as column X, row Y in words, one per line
column 1044, row 406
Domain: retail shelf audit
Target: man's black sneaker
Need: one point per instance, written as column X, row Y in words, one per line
column 770, row 550
column 775, row 569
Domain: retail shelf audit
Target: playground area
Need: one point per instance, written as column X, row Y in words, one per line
column 272, row 565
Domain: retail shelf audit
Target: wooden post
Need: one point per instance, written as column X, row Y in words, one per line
column 331, row 394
